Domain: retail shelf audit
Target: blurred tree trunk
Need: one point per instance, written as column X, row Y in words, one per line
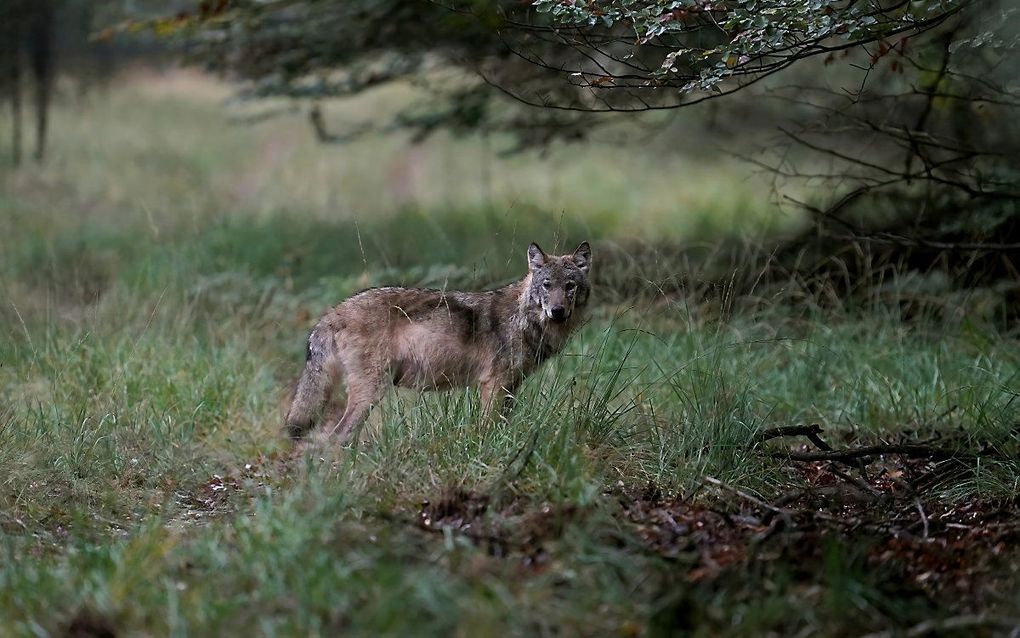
column 10, row 75
column 27, row 33
column 41, row 33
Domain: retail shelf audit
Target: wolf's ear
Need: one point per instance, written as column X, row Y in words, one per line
column 536, row 257
column 582, row 257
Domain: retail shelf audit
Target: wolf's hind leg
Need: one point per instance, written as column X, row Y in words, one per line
column 362, row 394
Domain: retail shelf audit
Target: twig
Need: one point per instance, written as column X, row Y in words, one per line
column 856, row 482
column 955, row 622
column 912, row 242
column 784, row 499
column 774, row 526
column 924, row 517
column 918, row 451
column 790, row 430
column 747, row 497
column 810, row 431
column 10, row 520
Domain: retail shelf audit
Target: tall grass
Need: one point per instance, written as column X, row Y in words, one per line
column 158, row 284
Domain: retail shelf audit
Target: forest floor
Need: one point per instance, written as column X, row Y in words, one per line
column 689, row 465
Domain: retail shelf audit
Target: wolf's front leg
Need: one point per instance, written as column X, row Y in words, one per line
column 498, row 400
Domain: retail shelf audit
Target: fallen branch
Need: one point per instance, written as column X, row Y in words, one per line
column 924, row 517
column 956, row 622
column 827, row 453
column 810, row 431
column 861, row 485
column 917, row 451
column 791, row 430
column 747, row 497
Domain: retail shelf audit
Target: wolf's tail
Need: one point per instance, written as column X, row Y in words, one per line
column 316, row 384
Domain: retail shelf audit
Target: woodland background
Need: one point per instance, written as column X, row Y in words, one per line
column 793, row 411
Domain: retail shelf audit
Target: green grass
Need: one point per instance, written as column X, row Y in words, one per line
column 153, row 320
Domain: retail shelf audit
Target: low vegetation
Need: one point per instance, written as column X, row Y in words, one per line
column 153, row 321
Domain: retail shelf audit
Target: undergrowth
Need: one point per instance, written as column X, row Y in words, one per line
column 147, row 488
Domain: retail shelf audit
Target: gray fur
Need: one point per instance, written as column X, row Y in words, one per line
column 433, row 340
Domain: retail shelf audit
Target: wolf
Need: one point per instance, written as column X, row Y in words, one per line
column 434, row 340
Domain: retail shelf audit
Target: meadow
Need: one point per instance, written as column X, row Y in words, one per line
column 160, row 273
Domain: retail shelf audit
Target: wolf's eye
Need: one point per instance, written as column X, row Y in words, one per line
column 570, row 286
column 546, row 284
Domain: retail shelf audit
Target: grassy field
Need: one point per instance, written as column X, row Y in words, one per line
column 159, row 277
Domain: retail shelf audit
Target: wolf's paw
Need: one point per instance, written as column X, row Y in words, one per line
column 318, row 444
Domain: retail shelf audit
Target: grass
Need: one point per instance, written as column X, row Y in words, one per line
column 159, row 281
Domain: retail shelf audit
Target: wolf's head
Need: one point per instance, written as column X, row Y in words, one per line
column 559, row 285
